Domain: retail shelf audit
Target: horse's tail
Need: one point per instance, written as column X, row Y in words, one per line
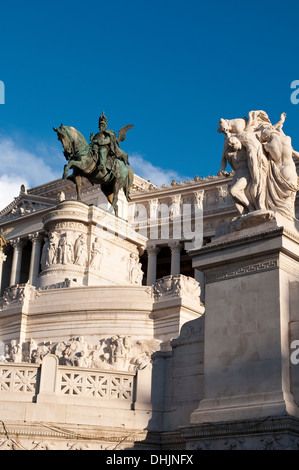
column 129, row 182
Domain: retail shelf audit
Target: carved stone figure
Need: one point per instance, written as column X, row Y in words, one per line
column 77, row 354
column 261, row 155
column 38, row 353
column 245, row 156
column 282, row 180
column 96, row 254
column 52, row 249
column 80, row 251
column 45, row 254
column 13, row 352
column 49, row 253
column 60, row 196
column 65, row 250
column 135, row 271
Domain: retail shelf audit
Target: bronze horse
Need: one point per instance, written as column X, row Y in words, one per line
column 83, row 162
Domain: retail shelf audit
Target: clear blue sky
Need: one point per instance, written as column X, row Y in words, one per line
column 171, row 68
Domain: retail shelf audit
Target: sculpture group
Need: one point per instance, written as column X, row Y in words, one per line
column 61, row 249
column 118, row 352
column 101, row 161
column 261, row 156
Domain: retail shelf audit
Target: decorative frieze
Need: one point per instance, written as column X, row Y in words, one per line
column 238, row 271
column 277, row 433
column 112, row 353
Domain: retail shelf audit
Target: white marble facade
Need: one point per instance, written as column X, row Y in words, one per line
column 122, row 333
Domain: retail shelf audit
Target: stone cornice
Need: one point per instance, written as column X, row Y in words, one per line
column 182, row 188
column 244, row 427
column 239, row 240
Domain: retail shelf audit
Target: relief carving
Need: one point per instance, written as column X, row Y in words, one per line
column 18, row 293
column 112, row 353
column 80, row 251
column 96, row 254
column 13, row 352
column 135, row 273
column 176, row 286
column 60, row 248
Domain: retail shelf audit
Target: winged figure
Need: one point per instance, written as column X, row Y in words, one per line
column 101, row 161
column 123, row 131
column 3, row 240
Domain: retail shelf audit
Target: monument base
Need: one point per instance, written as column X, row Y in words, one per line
column 87, row 246
column 247, row 336
column 271, row 433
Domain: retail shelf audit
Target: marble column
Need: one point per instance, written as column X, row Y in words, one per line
column 35, row 257
column 2, row 259
column 16, row 261
column 152, row 251
column 175, row 247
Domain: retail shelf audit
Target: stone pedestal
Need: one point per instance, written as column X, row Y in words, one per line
column 247, row 353
column 87, row 246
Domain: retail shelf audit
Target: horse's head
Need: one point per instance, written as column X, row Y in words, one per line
column 65, row 138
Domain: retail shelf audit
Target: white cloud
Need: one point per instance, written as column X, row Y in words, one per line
column 156, row 175
column 10, row 188
column 20, row 166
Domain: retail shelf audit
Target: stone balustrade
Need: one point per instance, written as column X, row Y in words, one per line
column 49, row 382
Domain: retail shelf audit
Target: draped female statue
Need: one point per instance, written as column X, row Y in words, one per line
column 261, row 155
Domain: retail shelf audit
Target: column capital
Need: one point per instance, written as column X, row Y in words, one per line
column 152, row 248
column 199, row 197
column 175, row 245
column 35, row 237
column 17, row 243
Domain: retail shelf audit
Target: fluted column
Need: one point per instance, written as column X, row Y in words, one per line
column 16, row 261
column 2, row 259
column 175, row 247
column 152, row 251
column 35, row 257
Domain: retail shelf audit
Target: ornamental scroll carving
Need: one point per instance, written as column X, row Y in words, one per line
column 176, row 286
column 18, row 293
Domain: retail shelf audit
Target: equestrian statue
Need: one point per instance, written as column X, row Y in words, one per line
column 101, row 161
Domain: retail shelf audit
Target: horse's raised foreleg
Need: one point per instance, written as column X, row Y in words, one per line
column 80, row 164
column 66, row 169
